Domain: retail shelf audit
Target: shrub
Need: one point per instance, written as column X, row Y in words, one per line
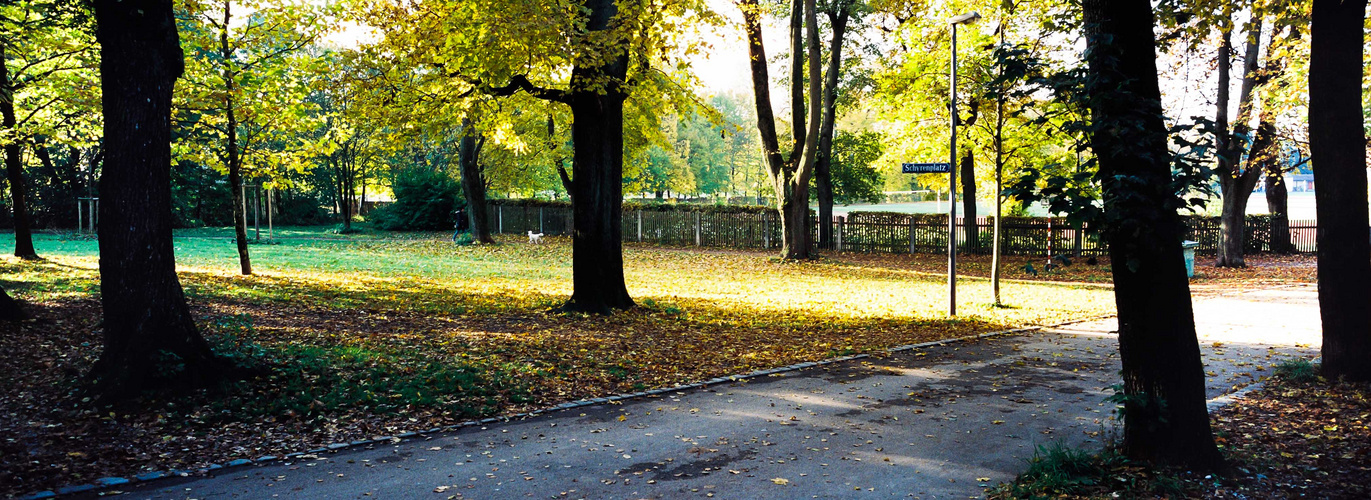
column 1297, row 370
column 424, row 201
column 301, row 210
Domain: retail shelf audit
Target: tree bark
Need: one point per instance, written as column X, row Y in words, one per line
column 10, row 310
column 1337, row 141
column 234, row 160
column 1235, row 183
column 150, row 337
column 968, row 172
column 14, row 169
column 789, row 176
column 597, row 166
column 558, row 159
column 1165, row 421
column 1278, row 205
column 474, row 183
column 838, row 14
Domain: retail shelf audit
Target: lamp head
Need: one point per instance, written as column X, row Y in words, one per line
column 967, row 18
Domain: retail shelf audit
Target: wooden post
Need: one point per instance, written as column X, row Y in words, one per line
column 912, row 223
column 697, row 229
column 540, row 221
column 640, row 226
column 500, row 219
column 80, row 224
column 838, row 235
column 766, row 230
column 257, row 212
column 271, row 232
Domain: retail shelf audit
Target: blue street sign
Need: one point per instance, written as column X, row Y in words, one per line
column 926, row 168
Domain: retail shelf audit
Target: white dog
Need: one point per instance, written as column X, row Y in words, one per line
column 535, row 238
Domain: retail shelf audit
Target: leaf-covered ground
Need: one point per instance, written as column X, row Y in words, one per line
column 367, row 336
column 371, row 337
column 1298, row 437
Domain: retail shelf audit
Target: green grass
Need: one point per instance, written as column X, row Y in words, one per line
column 308, row 380
column 373, row 326
column 1058, row 471
column 436, row 276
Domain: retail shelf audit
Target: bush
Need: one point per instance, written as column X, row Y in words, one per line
column 1298, row 371
column 425, row 200
column 302, row 210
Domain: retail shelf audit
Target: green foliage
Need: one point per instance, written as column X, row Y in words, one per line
column 424, row 200
column 464, row 239
column 199, row 196
column 1298, row 371
column 1057, row 471
column 855, row 177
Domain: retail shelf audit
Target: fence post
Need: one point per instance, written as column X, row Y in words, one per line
column 640, row 226
column 766, row 230
column 911, row 234
column 838, row 235
column 500, row 219
column 697, row 229
column 540, row 221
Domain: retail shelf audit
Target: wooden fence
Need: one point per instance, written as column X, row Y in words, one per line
column 871, row 231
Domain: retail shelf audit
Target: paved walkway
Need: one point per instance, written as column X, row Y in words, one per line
column 944, row 422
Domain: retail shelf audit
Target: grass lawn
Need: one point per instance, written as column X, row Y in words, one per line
column 366, row 335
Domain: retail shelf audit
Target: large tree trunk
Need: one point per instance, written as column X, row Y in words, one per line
column 474, row 183
column 1235, row 183
column 14, row 169
column 9, row 308
column 973, row 232
column 1165, row 421
column 597, row 165
column 838, row 14
column 1337, row 142
column 1278, row 205
column 789, row 176
column 145, row 312
column 823, row 193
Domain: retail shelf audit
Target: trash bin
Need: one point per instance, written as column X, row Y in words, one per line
column 1188, row 248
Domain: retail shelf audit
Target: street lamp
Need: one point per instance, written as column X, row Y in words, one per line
column 967, row 18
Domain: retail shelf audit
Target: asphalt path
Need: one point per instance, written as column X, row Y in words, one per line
column 942, row 422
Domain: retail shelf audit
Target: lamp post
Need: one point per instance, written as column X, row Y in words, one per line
column 967, row 18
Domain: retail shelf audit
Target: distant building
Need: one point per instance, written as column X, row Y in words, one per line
column 1299, row 183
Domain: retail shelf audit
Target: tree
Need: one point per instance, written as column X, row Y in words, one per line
column 609, row 51
column 1164, row 415
column 838, row 13
column 1236, row 179
column 789, row 174
column 474, row 182
column 39, row 40
column 1337, row 141
column 855, row 178
column 147, row 325
column 240, row 93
